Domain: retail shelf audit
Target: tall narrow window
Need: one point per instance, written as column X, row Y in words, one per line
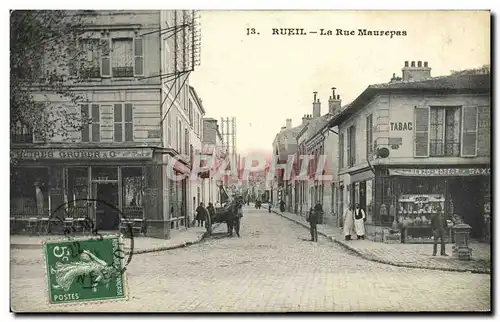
column 186, row 141
column 169, row 129
column 90, row 63
column 123, row 119
column 91, row 126
column 138, row 57
column 351, row 159
column 444, row 132
column 179, row 137
column 341, row 150
column 469, row 132
column 190, row 112
column 122, row 57
column 105, row 58
column 421, row 132
column 369, row 136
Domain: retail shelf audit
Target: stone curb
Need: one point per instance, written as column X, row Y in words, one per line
column 127, row 252
column 382, row 261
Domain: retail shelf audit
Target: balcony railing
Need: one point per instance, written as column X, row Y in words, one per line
column 123, row 71
column 444, row 149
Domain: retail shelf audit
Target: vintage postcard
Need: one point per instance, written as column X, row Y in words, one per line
column 250, row 161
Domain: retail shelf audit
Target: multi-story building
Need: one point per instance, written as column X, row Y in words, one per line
column 284, row 147
column 319, row 142
column 415, row 145
column 196, row 113
column 120, row 158
column 212, row 148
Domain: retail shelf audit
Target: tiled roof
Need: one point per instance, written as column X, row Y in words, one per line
column 452, row 83
column 316, row 125
column 455, row 82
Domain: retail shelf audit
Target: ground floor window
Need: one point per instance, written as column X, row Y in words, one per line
column 29, row 191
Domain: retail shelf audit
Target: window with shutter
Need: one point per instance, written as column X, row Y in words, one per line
column 351, row 158
column 369, row 136
column 421, row 132
column 96, row 123
column 105, row 58
column 85, row 122
column 91, row 122
column 469, row 131
column 348, row 144
column 122, row 57
column 124, row 120
column 139, row 57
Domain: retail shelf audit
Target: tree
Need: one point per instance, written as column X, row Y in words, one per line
column 44, row 47
column 485, row 69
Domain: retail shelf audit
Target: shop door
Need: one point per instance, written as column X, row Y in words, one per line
column 362, row 195
column 107, row 216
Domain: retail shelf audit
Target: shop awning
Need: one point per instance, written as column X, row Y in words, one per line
column 440, row 172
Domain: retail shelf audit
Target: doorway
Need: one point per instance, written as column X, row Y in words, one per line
column 106, row 206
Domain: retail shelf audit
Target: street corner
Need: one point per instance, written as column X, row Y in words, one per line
column 85, row 270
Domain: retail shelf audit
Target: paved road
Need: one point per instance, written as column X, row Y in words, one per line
column 272, row 267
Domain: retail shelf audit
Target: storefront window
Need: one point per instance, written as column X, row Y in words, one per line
column 29, row 191
column 132, row 187
column 78, row 186
column 104, row 173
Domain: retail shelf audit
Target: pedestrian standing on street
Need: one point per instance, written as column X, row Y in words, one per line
column 313, row 221
column 439, row 226
column 201, row 214
column 282, row 206
column 359, row 222
column 237, row 219
column 270, row 206
column 348, row 222
column 211, row 210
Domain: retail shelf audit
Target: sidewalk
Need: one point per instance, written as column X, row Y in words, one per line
column 405, row 255
column 181, row 238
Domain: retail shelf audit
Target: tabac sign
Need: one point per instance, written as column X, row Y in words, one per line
column 440, row 172
column 81, row 154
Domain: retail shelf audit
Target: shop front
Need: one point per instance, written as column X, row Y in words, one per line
column 408, row 197
column 107, row 186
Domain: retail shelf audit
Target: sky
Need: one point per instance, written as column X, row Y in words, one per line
column 264, row 79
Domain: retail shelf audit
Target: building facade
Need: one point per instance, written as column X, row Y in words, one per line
column 196, row 113
column 416, row 145
column 116, row 165
column 212, row 149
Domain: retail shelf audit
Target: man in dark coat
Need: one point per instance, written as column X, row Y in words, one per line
column 313, row 221
column 439, row 226
column 201, row 214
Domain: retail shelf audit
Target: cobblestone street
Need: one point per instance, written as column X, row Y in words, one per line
column 272, row 267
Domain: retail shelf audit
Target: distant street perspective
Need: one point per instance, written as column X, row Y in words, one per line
column 272, row 267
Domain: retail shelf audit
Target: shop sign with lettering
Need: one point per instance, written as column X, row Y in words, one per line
column 401, row 126
column 440, row 172
column 85, row 154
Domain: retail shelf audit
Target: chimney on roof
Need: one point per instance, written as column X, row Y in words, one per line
column 395, row 78
column 416, row 73
column 288, row 123
column 316, row 106
column 334, row 103
column 306, row 118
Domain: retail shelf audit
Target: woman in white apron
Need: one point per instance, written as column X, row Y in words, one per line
column 359, row 222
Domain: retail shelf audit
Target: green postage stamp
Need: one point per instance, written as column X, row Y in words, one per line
column 82, row 270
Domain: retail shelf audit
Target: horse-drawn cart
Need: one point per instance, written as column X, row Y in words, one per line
column 221, row 215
